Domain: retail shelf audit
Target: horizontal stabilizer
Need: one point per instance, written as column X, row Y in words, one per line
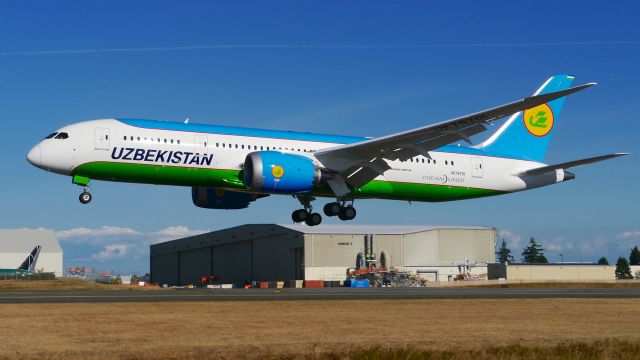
column 570, row 164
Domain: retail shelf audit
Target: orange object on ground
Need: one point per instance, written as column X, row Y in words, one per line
column 314, row 283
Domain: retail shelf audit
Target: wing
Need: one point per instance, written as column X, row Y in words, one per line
column 361, row 162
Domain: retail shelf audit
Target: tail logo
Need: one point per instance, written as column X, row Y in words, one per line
column 538, row 120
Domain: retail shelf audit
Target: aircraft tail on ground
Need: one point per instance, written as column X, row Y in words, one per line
column 29, row 263
column 526, row 134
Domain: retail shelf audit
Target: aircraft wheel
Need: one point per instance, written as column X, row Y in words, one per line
column 347, row 213
column 85, row 197
column 332, row 209
column 299, row 215
column 313, row 219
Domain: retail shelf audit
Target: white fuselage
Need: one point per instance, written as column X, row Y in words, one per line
column 112, row 141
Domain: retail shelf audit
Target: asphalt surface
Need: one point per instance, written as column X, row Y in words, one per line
column 201, row 294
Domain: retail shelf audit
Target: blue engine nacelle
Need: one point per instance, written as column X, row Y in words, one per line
column 210, row 198
column 276, row 172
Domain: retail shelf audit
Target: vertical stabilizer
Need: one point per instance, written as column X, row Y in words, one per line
column 29, row 263
column 526, row 134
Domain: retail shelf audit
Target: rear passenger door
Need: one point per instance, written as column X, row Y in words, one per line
column 476, row 165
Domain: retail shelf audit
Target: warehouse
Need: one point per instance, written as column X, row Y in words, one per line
column 15, row 246
column 554, row 272
column 270, row 252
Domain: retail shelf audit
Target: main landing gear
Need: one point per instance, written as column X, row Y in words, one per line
column 306, row 215
column 343, row 210
column 85, row 197
column 340, row 209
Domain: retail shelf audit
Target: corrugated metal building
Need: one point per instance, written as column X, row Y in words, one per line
column 297, row 252
column 556, row 272
column 15, row 246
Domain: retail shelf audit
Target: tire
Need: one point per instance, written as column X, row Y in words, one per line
column 313, row 219
column 347, row 213
column 299, row 216
column 85, row 197
column 332, row 209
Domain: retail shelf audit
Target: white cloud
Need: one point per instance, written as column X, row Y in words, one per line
column 78, row 234
column 117, row 234
column 554, row 247
column 513, row 240
column 630, row 235
column 112, row 251
column 177, row 232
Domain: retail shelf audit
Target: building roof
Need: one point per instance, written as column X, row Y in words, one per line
column 372, row 229
column 250, row 231
column 24, row 240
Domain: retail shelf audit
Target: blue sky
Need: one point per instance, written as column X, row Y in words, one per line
column 357, row 68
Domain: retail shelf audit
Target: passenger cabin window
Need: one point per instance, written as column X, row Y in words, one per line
column 62, row 136
column 51, row 135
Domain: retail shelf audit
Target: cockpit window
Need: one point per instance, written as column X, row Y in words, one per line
column 62, row 135
column 51, row 135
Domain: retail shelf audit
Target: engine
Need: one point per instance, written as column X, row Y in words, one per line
column 210, row 198
column 275, row 172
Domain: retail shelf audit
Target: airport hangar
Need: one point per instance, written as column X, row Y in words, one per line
column 16, row 245
column 270, row 252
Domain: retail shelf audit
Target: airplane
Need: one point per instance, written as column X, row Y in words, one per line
column 231, row 167
column 28, row 265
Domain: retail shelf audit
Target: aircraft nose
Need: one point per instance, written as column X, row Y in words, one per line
column 34, row 156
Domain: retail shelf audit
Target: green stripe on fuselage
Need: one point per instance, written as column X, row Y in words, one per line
column 232, row 180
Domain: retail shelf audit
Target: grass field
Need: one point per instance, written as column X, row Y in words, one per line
column 379, row 329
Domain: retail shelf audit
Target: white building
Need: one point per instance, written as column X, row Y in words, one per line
column 552, row 272
column 272, row 252
column 16, row 245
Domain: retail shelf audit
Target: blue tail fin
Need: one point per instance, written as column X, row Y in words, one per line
column 526, row 134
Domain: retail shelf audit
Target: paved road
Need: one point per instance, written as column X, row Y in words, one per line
column 78, row 296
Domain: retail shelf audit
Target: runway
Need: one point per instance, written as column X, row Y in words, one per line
column 92, row 296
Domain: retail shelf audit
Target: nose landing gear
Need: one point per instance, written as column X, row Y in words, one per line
column 83, row 181
column 85, row 197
